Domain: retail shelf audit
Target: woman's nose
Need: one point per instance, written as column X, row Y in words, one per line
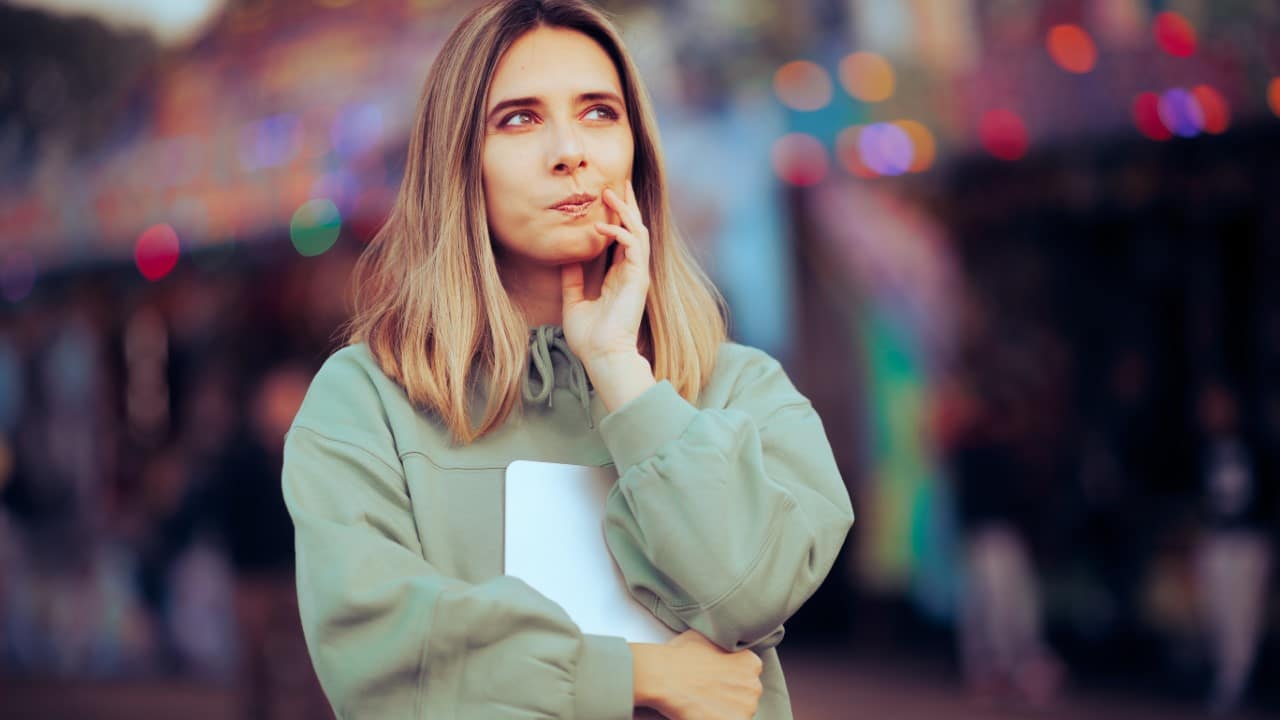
column 567, row 154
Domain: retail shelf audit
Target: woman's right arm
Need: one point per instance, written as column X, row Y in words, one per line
column 391, row 636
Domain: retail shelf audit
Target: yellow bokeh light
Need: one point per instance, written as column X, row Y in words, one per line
column 926, row 148
column 802, row 85
column 867, row 76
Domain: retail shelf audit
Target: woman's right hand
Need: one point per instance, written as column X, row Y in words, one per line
column 690, row 678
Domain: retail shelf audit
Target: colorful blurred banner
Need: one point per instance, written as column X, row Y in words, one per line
column 898, row 264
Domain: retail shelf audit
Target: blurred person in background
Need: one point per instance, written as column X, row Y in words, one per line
column 1234, row 554
column 1116, row 458
column 199, row 603
column 546, row 269
column 72, row 604
column 165, row 520
column 987, row 401
column 274, row 681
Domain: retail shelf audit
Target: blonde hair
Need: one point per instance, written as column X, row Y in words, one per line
column 428, row 300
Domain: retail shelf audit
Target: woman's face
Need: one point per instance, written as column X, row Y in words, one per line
column 555, row 128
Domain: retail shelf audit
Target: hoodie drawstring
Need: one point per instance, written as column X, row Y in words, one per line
column 542, row 341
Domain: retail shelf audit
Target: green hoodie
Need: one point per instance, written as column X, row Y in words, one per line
column 726, row 517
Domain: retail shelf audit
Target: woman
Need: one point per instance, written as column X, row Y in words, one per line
column 529, row 298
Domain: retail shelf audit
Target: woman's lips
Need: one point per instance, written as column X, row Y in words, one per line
column 577, row 210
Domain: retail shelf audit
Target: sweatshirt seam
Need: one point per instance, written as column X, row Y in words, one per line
column 429, row 459
column 438, row 466
column 398, row 472
column 653, row 451
column 806, row 404
column 775, row 532
column 799, row 404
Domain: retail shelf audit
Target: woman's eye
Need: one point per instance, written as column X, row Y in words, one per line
column 609, row 114
column 524, row 117
column 522, row 114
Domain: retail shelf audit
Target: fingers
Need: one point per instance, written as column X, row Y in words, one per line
column 619, row 233
column 612, row 215
column 627, row 209
column 635, row 247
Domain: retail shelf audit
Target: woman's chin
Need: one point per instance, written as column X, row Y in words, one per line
column 579, row 249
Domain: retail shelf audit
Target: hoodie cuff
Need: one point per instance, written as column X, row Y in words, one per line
column 636, row 431
column 604, row 688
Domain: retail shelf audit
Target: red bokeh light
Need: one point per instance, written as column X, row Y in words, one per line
column 1004, row 134
column 1174, row 34
column 1072, row 48
column 156, row 253
column 799, row 159
column 1146, row 115
column 1217, row 114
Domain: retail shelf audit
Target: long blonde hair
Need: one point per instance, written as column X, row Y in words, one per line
column 428, row 300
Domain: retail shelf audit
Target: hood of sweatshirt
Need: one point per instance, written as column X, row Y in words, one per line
column 553, row 365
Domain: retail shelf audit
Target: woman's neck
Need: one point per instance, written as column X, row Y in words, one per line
column 536, row 289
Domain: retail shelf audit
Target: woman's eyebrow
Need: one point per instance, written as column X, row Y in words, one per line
column 537, row 102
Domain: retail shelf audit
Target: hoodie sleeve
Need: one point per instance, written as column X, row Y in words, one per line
column 725, row 520
column 392, row 636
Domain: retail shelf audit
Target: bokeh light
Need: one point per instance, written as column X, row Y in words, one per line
column 17, row 276
column 1217, row 114
column 799, row 159
column 270, row 142
column 886, row 148
column 156, row 253
column 850, row 156
column 867, row 76
column 1180, row 112
column 356, row 130
column 1273, row 96
column 922, row 142
column 802, row 85
column 1072, row 48
column 1004, row 134
column 1146, row 116
column 315, row 227
column 1174, row 34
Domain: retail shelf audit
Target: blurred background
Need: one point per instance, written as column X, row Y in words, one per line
column 1020, row 254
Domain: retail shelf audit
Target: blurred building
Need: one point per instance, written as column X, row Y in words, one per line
column 1012, row 249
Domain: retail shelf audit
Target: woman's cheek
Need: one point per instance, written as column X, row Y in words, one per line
column 613, row 151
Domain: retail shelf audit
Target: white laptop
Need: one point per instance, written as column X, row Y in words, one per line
column 554, row 541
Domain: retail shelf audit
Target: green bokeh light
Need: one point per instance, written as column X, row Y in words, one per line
column 315, row 227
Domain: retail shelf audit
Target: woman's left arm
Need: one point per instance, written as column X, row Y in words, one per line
column 725, row 520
